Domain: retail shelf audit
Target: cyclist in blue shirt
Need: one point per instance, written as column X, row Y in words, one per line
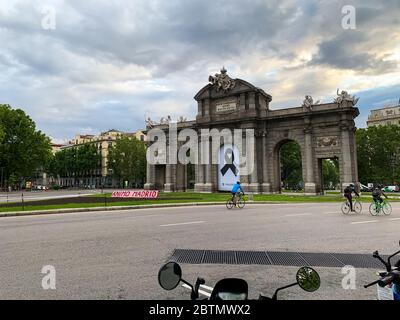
column 235, row 190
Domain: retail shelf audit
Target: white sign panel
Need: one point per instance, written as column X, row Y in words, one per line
column 228, row 167
column 226, row 106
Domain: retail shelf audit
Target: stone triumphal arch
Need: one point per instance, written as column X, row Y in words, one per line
column 322, row 130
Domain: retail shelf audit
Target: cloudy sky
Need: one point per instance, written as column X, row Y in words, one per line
column 102, row 64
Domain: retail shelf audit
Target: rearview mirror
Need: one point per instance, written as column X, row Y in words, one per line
column 308, row 279
column 170, row 275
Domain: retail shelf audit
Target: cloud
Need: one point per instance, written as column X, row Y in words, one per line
column 110, row 64
column 345, row 52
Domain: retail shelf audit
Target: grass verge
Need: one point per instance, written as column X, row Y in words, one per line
column 181, row 197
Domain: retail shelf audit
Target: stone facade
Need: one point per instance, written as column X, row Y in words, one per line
column 323, row 131
column 384, row 116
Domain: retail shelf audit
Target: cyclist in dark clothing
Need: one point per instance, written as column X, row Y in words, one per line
column 348, row 193
column 377, row 194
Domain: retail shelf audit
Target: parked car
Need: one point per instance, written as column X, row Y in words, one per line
column 391, row 189
column 40, row 187
column 364, row 188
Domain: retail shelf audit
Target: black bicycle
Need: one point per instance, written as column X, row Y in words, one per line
column 236, row 201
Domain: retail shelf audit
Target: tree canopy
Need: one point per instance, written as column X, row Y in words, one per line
column 291, row 169
column 127, row 159
column 77, row 162
column 23, row 149
column 378, row 154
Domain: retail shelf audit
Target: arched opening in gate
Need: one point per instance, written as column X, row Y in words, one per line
column 290, row 172
column 329, row 174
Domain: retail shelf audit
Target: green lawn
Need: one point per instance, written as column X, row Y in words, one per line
column 190, row 197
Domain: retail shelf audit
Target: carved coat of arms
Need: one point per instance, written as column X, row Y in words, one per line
column 222, row 81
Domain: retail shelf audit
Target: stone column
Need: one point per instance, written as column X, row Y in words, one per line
column 206, row 107
column 349, row 159
column 309, row 185
column 242, row 102
column 199, row 171
column 255, row 183
column 210, row 181
column 209, row 186
column 150, row 177
column 266, row 185
column 252, row 101
column 170, row 176
column 199, row 109
column 244, row 178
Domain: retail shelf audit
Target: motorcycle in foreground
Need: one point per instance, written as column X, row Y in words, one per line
column 389, row 283
column 170, row 275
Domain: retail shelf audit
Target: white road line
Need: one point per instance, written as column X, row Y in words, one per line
column 181, row 224
column 206, row 287
column 298, row 214
column 394, row 219
column 360, row 222
column 204, row 293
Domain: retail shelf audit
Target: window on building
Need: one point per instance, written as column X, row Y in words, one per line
column 142, row 138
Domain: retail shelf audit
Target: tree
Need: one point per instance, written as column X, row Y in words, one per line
column 23, row 149
column 330, row 173
column 291, row 168
column 378, row 154
column 75, row 163
column 127, row 159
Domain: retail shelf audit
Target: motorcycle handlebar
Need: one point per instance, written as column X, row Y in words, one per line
column 371, row 284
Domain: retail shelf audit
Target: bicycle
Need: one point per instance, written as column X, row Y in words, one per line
column 237, row 201
column 357, row 207
column 376, row 207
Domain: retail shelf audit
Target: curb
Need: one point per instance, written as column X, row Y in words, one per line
column 137, row 207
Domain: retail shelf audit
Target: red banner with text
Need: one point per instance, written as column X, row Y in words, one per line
column 138, row 194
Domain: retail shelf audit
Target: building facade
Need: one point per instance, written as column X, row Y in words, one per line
column 385, row 116
column 103, row 176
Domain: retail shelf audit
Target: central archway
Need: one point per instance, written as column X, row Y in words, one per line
column 288, row 166
column 291, row 170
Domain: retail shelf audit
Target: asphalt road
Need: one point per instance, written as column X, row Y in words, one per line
column 117, row 255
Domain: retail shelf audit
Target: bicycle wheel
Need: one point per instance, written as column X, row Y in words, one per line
column 357, row 207
column 241, row 203
column 387, row 208
column 229, row 204
column 374, row 209
column 345, row 207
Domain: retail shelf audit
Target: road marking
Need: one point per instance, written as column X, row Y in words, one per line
column 204, row 293
column 394, row 219
column 298, row 214
column 181, row 224
column 360, row 222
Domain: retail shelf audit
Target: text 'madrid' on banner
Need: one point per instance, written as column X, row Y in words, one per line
column 137, row 194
